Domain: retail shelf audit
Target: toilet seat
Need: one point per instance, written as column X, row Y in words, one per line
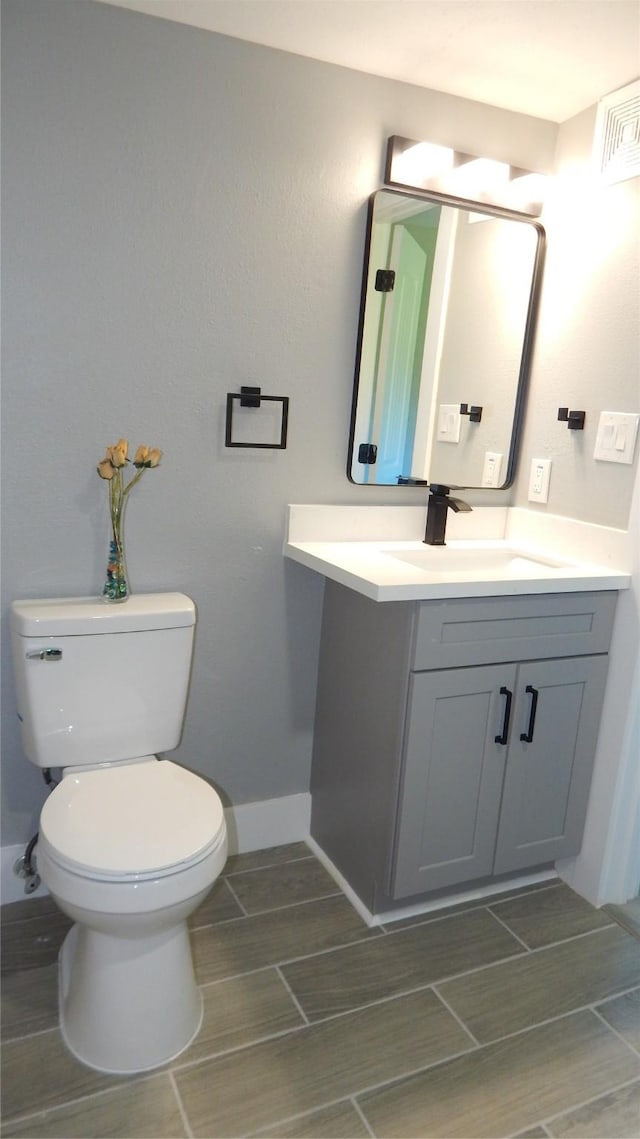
column 131, row 822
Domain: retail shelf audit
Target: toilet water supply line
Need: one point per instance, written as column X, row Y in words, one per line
column 26, row 866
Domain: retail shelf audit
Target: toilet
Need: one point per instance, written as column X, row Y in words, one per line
column 129, row 844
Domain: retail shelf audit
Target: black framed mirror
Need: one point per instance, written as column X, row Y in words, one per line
column 449, row 300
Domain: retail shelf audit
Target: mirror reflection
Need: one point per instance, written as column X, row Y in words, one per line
column 444, row 345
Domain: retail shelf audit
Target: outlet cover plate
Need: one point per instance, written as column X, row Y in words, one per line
column 492, row 469
column 539, row 477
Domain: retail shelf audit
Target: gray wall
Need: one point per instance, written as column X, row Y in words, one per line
column 587, row 353
column 184, row 213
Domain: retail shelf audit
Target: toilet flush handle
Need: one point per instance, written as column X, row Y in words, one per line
column 45, row 654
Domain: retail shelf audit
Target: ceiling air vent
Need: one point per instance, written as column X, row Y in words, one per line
column 617, row 138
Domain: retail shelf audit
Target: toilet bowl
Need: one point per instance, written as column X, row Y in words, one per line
column 128, row 852
column 129, row 844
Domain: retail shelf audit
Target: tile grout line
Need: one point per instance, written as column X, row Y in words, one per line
column 364, row 938
column 277, row 967
column 270, row 866
column 354, row 1096
column 292, row 995
column 279, row 909
column 289, row 906
column 565, row 940
column 454, row 1014
column 236, row 899
column 43, row 1111
column 592, row 1099
column 509, row 930
column 468, row 907
column 235, row 977
column 574, row 937
column 477, row 1045
column 528, row 950
column 521, row 957
column 356, row 1106
column 368, row 1089
column 554, row 1020
column 286, row 1120
column 381, row 1000
column 178, row 1068
column 29, row 1035
column 471, row 1052
column 594, row 1008
column 286, row 960
column 181, row 1108
column 436, row 1063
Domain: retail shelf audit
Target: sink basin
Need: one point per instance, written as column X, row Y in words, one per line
column 503, row 562
column 378, row 552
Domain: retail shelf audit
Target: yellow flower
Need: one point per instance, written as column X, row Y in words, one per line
column 118, row 454
column 116, row 587
column 112, row 464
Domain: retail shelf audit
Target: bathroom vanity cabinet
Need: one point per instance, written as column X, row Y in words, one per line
column 454, row 740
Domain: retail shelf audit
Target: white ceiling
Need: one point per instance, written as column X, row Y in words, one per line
column 548, row 58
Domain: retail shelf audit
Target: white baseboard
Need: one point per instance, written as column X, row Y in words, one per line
column 251, row 826
column 271, row 822
column 429, row 907
column 274, row 822
column 340, row 881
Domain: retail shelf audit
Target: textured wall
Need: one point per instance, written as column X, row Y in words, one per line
column 184, row 213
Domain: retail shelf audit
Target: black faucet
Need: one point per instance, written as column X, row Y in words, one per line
column 438, row 504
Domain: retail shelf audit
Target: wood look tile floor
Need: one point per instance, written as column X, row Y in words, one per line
column 515, row 1018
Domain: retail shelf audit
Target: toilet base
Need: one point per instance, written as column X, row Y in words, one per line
column 127, row 1004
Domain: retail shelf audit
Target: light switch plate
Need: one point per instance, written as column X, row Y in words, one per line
column 616, row 438
column 539, row 478
column 449, row 423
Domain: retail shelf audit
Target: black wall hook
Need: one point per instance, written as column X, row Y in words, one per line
column 573, row 419
column 474, row 412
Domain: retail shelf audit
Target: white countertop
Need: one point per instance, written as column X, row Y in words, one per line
column 405, row 569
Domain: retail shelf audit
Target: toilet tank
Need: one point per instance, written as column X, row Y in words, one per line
column 98, row 682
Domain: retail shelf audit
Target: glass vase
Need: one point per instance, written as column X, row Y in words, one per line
column 116, row 586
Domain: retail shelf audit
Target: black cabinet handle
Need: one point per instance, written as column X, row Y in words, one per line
column 527, row 736
column 502, row 739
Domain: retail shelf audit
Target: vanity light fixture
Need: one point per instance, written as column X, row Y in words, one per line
column 423, row 160
column 478, row 176
column 462, row 177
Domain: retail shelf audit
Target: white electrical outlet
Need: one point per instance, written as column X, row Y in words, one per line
column 492, row 469
column 616, row 438
column 539, row 478
column 449, row 423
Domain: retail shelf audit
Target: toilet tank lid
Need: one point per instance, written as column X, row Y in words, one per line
column 80, row 616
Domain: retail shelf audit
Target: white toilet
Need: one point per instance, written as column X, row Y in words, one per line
column 129, row 845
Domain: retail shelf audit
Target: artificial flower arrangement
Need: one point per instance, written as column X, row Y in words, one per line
column 116, row 587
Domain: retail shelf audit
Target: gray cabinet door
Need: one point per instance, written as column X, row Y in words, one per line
column 453, row 774
column 547, row 779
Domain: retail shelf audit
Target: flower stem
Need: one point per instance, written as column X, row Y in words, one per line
column 136, row 478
